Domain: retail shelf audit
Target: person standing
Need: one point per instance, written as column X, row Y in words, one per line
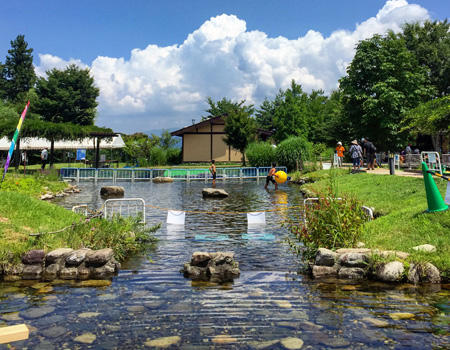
column 369, row 152
column 270, row 177
column 340, row 153
column 212, row 170
column 44, row 157
column 356, row 154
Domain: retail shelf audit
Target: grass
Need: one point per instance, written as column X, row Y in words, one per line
column 21, row 214
column 32, row 184
column 402, row 223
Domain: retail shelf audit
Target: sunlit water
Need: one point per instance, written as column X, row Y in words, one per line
column 150, row 299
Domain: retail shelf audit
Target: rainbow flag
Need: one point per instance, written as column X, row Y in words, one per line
column 13, row 142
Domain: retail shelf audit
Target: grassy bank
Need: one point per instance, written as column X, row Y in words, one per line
column 21, row 214
column 400, row 204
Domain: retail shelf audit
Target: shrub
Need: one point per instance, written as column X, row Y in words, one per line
column 158, row 156
column 174, row 156
column 292, row 152
column 260, row 154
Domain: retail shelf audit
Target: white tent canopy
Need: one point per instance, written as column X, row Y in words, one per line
column 36, row 143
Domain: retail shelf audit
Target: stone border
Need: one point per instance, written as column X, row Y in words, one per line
column 360, row 263
column 66, row 192
column 63, row 263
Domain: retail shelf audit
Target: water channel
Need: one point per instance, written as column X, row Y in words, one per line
column 270, row 301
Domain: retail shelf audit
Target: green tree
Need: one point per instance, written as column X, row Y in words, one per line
column 430, row 43
column 67, row 96
column 17, row 73
column 240, row 129
column 383, row 81
column 225, row 107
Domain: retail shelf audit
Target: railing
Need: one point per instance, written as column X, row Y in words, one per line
column 124, row 207
column 131, row 174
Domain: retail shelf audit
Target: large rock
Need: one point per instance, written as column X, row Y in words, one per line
column 200, row 259
column 68, row 273
column 427, row 248
column 162, row 179
column 214, row 193
column 354, row 260
column 32, row 272
column 105, row 271
column 390, row 272
column 215, row 267
column 97, row 258
column 352, row 273
column 77, row 257
column 427, row 273
column 57, row 255
column 325, row 257
column 324, row 271
column 51, row 272
column 33, row 257
column 112, row 192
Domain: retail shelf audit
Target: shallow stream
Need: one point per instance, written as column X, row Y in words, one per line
column 269, row 302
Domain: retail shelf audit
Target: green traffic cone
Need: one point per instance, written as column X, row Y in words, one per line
column 434, row 198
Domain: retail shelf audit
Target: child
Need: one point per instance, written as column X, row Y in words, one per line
column 212, row 170
column 270, row 177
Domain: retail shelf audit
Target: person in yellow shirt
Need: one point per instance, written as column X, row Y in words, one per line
column 340, row 153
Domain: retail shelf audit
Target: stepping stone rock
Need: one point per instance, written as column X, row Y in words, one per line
column 427, row 273
column 352, row 273
column 163, row 342
column 354, row 260
column 97, row 258
column 57, row 254
column 325, row 257
column 112, row 191
column 162, row 179
column 214, row 193
column 33, row 257
column 390, row 272
column 292, row 343
column 428, row 248
column 86, row 338
column 324, row 271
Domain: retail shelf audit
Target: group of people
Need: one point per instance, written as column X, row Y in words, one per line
column 358, row 152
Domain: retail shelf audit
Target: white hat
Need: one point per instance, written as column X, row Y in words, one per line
column 340, row 143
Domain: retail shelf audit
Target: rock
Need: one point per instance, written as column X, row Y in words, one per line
column 13, row 270
column 353, row 273
column 106, row 271
column 58, row 254
column 51, row 272
column 427, row 273
column 375, row 322
column 77, row 257
column 163, row 342
column 353, row 250
column 401, row 315
column 200, row 259
column 220, row 258
column 112, row 191
column 84, row 272
column 95, row 283
column 354, row 260
column 88, row 314
column 223, row 339
column 428, row 248
column 283, row 304
column 86, row 338
column 32, row 272
column 262, row 345
column 390, row 253
column 324, row 271
column 214, row 193
column 54, row 332
column 390, row 272
column 97, row 258
column 162, row 179
column 33, row 257
column 136, row 308
column 37, row 312
column 47, row 196
column 68, row 273
column 222, row 273
column 335, row 342
column 325, row 257
column 292, row 343
column 11, row 316
column 194, row 272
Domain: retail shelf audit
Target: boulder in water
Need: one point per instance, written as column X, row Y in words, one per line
column 217, row 267
column 162, row 179
column 112, row 192
column 214, row 193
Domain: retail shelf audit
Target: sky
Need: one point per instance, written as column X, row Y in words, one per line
column 156, row 62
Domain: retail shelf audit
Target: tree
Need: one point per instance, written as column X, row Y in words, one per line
column 67, row 96
column 225, row 107
column 17, row 74
column 383, row 81
column 240, row 129
column 430, row 43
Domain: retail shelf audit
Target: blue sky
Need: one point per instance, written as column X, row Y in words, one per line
column 237, row 49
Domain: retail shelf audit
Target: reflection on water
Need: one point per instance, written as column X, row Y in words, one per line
column 150, row 299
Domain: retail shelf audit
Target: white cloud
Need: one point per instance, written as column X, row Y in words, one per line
column 163, row 87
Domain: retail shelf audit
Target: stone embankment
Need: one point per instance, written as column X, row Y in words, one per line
column 381, row 265
column 67, row 191
column 217, row 267
column 63, row 263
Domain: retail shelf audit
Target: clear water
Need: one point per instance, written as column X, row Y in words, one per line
column 150, row 299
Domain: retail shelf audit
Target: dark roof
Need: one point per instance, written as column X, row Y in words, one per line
column 213, row 120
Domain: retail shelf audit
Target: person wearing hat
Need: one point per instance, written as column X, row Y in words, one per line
column 340, row 153
column 44, row 157
column 356, row 154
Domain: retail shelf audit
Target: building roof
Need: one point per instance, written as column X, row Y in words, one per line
column 35, row 143
column 213, row 120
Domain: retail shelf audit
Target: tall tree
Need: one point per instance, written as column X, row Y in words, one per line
column 225, row 107
column 17, row 74
column 383, row 81
column 430, row 43
column 67, row 96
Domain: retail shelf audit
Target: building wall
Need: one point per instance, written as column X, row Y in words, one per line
column 197, row 148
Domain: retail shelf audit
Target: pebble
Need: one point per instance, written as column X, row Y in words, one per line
column 401, row 315
column 54, row 332
column 223, row 339
column 37, row 312
column 89, row 314
column 12, row 316
column 86, row 338
column 163, row 342
column 283, row 303
column 107, row 296
column 263, row 344
column 292, row 343
column 95, row 283
column 136, row 308
column 376, row 322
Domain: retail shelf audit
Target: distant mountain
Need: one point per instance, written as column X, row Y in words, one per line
column 158, row 132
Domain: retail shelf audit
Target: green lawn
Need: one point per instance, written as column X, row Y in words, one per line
column 402, row 223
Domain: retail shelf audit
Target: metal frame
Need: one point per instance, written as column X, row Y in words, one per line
column 426, row 160
column 126, row 205
column 81, row 209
